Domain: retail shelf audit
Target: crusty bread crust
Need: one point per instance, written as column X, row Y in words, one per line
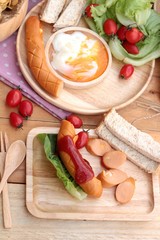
column 133, row 155
column 133, row 137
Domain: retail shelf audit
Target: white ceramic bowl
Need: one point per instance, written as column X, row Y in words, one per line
column 73, row 84
column 11, row 22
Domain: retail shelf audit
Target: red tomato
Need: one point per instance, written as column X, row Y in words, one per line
column 13, row 97
column 75, row 120
column 130, row 48
column 126, row 71
column 133, row 35
column 16, row 120
column 141, row 35
column 26, row 108
column 121, row 33
column 110, row 27
column 88, row 11
column 82, row 139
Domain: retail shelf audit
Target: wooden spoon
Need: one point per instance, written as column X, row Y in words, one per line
column 14, row 157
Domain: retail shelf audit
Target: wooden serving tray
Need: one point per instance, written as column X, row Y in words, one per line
column 47, row 198
column 112, row 92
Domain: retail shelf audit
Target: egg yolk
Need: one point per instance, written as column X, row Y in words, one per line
column 79, row 57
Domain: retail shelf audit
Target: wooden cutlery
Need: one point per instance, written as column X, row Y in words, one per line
column 4, row 145
column 11, row 157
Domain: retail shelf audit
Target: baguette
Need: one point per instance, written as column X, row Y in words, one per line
column 129, row 134
column 71, row 15
column 134, row 156
column 51, row 10
column 37, row 60
column 78, row 167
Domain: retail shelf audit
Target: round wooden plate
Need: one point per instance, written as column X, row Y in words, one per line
column 112, row 92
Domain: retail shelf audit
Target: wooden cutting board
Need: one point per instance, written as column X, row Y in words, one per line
column 47, row 198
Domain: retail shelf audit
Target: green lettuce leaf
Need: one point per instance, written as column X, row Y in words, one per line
column 98, row 11
column 141, row 17
column 133, row 13
column 99, row 24
column 149, row 50
column 110, row 3
column 90, row 22
column 136, row 11
column 100, row 14
column 49, row 142
column 152, row 25
column 98, row 1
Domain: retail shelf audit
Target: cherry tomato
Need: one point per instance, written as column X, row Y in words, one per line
column 26, row 108
column 16, row 120
column 133, row 35
column 88, row 10
column 110, row 27
column 121, row 33
column 82, row 139
column 13, row 98
column 75, row 120
column 126, row 71
column 141, row 35
column 130, row 48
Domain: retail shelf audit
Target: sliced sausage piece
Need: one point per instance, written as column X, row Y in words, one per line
column 97, row 146
column 113, row 159
column 125, row 190
column 112, row 177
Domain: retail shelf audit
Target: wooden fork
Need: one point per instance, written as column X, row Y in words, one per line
column 4, row 145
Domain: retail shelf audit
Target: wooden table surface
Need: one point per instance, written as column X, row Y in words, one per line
column 25, row 226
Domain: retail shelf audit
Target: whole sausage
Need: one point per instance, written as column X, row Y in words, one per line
column 78, row 167
column 37, row 59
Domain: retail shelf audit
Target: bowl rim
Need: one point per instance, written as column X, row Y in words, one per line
column 13, row 22
column 21, row 4
column 72, row 84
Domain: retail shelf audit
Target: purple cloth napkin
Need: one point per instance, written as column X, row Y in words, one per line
column 11, row 75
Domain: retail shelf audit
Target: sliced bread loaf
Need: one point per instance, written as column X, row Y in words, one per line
column 66, row 3
column 51, row 10
column 133, row 155
column 71, row 15
column 133, row 137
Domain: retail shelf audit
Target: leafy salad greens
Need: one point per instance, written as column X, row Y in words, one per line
column 49, row 142
column 136, row 13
